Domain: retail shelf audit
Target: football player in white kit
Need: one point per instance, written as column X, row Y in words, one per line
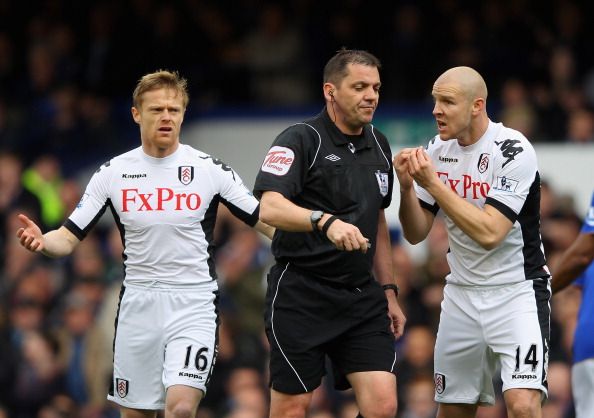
column 164, row 197
column 495, row 312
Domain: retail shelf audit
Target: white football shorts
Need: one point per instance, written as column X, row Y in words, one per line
column 483, row 328
column 163, row 337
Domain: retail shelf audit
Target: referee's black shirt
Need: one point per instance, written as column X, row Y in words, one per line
column 318, row 167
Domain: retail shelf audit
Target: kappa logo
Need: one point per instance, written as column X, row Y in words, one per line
column 134, row 176
column 445, row 159
column 122, row 386
column 278, row 161
column 509, row 149
column 332, row 157
column 440, row 383
column 185, row 174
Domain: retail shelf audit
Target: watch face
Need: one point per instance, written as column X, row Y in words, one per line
column 316, row 215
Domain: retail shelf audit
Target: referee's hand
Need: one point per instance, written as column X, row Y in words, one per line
column 347, row 237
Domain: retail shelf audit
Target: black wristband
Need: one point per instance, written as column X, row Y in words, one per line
column 394, row 287
column 327, row 224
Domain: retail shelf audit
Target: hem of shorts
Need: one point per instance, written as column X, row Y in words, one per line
column 299, row 391
column 122, row 402
column 484, row 401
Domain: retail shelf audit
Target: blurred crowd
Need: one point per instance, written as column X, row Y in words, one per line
column 66, row 68
column 57, row 315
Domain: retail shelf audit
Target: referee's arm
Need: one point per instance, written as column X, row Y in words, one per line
column 279, row 212
column 384, row 273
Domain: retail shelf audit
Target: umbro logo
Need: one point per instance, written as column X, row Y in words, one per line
column 332, row 157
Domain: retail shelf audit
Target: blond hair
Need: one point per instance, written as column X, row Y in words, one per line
column 161, row 79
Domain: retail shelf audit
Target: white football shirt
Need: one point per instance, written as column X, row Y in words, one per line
column 165, row 209
column 500, row 169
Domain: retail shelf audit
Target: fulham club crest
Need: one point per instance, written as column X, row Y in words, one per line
column 440, row 383
column 122, row 386
column 185, row 174
column 483, row 162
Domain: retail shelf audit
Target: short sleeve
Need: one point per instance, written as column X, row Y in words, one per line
column 234, row 194
column 92, row 203
column 285, row 164
column 514, row 174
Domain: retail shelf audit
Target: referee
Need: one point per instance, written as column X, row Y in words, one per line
column 324, row 185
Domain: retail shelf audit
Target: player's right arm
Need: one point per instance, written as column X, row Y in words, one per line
column 415, row 221
column 56, row 243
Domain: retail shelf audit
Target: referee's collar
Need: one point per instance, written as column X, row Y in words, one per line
column 341, row 139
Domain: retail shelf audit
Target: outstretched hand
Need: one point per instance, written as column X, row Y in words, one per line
column 30, row 235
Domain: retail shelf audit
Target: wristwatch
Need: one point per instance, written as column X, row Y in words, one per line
column 314, row 218
column 393, row 287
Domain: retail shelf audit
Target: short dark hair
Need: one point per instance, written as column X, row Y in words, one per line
column 161, row 79
column 336, row 68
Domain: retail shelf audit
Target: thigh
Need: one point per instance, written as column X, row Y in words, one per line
column 517, row 326
column 139, row 344
column 462, row 362
column 582, row 383
column 367, row 343
column 291, row 319
column 191, row 327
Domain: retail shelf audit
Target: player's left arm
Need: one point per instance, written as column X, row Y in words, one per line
column 573, row 261
column 384, row 273
column 487, row 226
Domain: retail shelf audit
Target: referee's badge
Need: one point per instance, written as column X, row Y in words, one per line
column 122, row 386
column 382, row 181
column 440, row 383
column 185, row 174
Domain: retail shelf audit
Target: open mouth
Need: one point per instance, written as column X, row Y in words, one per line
column 165, row 129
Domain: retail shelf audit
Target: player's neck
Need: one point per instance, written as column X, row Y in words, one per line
column 475, row 132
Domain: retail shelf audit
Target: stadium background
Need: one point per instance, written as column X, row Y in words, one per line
column 67, row 70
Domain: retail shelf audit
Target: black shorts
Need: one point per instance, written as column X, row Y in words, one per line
column 307, row 319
